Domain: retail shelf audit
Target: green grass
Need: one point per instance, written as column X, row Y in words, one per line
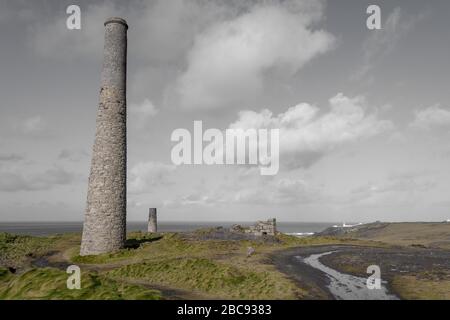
column 4, row 274
column 210, row 268
column 417, row 287
column 214, row 278
column 167, row 246
column 425, row 234
column 172, row 245
column 49, row 283
column 214, row 268
column 15, row 250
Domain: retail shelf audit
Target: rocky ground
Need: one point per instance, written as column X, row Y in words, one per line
column 414, row 258
column 426, row 267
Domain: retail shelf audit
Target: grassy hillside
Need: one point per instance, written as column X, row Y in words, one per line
column 422, row 287
column 202, row 265
column 434, row 235
column 50, row 283
column 151, row 267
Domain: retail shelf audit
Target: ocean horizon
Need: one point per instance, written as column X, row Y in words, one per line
column 57, row 227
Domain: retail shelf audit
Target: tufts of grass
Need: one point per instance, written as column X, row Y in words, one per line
column 212, row 267
column 137, row 243
column 50, row 284
column 4, row 274
column 174, row 245
column 104, row 258
column 15, row 250
column 211, row 277
column 152, row 247
column 416, row 287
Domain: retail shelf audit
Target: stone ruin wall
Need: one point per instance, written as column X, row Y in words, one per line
column 262, row 228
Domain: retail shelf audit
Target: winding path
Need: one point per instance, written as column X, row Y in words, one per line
column 319, row 281
column 344, row 286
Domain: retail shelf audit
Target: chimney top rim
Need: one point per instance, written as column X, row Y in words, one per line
column 116, row 20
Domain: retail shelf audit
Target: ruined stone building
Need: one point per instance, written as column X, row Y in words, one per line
column 261, row 228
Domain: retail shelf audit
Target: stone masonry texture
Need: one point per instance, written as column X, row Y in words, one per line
column 261, row 228
column 152, row 221
column 104, row 228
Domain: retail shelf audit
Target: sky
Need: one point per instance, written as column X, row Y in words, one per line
column 364, row 115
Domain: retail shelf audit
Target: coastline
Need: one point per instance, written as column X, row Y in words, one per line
column 61, row 227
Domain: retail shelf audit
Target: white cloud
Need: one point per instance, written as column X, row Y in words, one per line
column 13, row 11
column 160, row 35
column 72, row 154
column 141, row 113
column 31, row 125
column 15, row 180
column 255, row 190
column 42, row 210
column 305, row 133
column 52, row 38
column 278, row 191
column 431, row 117
column 382, row 42
column 228, row 61
column 195, row 199
column 228, row 46
column 144, row 109
column 146, row 176
column 13, row 157
column 401, row 188
column 165, row 29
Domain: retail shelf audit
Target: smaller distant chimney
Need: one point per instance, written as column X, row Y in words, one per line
column 152, row 223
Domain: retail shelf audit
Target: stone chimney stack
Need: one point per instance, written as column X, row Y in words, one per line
column 104, row 228
column 152, row 221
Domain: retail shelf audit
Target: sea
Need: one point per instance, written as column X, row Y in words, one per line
column 49, row 228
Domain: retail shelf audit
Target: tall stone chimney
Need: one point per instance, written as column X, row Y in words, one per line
column 104, row 228
column 152, row 221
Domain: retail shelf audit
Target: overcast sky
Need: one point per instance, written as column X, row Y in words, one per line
column 364, row 115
